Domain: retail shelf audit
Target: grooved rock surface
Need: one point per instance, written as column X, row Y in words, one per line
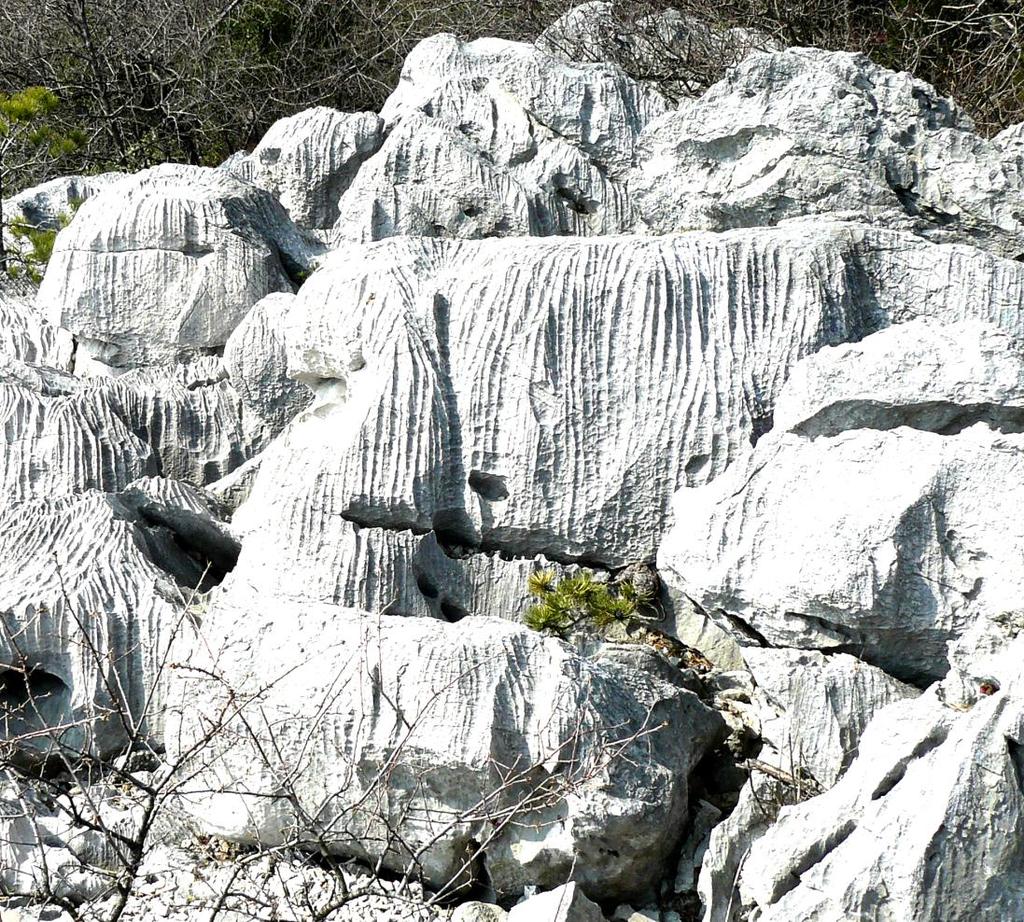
column 813, row 708
column 499, row 139
column 92, row 591
column 165, row 264
column 25, row 337
column 549, row 396
column 308, row 160
column 886, row 522
column 595, row 107
column 924, row 825
column 185, row 422
column 257, row 363
column 806, row 131
column 444, row 711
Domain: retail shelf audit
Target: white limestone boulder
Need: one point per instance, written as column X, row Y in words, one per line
column 595, row 107
column 924, row 825
column 308, row 160
column 163, row 265
column 257, row 363
column 429, row 180
column 806, row 131
column 813, row 709
column 880, row 516
column 499, row 139
column 92, row 593
column 484, row 747
column 563, row 904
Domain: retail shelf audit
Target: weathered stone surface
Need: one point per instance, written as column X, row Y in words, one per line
column 463, row 388
column 308, row 160
column 499, row 139
column 164, row 265
column 25, row 337
column 923, row 825
column 805, row 131
column 595, row 107
column 563, row 904
column 1011, row 140
column 257, row 363
column 441, row 709
column 428, row 180
column 185, row 422
column 813, row 709
column 855, row 535
column 92, row 592
column 479, row 912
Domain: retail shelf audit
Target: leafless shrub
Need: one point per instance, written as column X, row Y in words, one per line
column 80, row 826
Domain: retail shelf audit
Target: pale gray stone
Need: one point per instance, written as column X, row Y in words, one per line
column 806, row 131
column 257, row 363
column 479, row 912
column 473, row 698
column 163, row 265
column 308, row 160
column 880, row 516
column 563, row 904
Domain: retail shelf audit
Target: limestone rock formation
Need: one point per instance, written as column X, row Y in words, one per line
column 257, row 363
column 564, row 437
column 92, row 592
column 500, row 139
column 49, row 205
column 805, row 131
column 885, row 517
column 308, row 160
column 68, row 435
column 933, row 788
column 496, row 745
column 563, row 904
column 25, row 337
column 164, row 265
column 286, row 442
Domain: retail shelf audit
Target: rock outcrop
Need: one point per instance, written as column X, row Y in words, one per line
column 307, row 161
column 434, row 747
column 291, row 446
column 885, row 502
column 164, row 265
column 806, row 131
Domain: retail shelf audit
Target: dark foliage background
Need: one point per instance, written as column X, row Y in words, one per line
column 193, row 80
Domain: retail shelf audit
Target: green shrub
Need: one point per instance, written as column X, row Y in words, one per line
column 578, row 601
column 37, row 244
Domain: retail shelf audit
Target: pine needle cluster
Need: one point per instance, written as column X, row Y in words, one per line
column 578, row 600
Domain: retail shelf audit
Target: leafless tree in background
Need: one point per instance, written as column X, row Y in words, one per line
column 194, row 80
